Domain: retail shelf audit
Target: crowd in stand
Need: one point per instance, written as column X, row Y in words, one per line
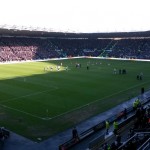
column 21, row 48
column 18, row 49
column 141, row 124
column 131, row 48
column 135, row 140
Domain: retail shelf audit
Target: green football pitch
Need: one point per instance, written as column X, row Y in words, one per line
column 37, row 101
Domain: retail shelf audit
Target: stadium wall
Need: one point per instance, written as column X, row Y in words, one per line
column 108, row 58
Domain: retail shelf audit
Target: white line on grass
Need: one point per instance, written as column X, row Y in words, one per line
column 93, row 102
column 29, row 114
column 36, row 93
column 48, row 118
column 23, row 79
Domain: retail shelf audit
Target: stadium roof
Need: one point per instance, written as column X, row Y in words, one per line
column 51, row 34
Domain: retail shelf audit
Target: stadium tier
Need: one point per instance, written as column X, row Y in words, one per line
column 32, row 48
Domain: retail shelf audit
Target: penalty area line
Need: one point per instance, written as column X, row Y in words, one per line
column 50, row 118
column 28, row 95
column 46, row 118
column 29, row 114
column 78, row 108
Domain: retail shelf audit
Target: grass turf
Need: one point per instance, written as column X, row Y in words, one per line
column 35, row 102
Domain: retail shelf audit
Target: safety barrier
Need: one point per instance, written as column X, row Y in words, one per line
column 70, row 143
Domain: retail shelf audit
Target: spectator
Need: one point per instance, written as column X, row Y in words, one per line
column 75, row 135
column 115, row 124
column 107, row 126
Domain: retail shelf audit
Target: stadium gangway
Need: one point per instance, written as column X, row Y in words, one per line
column 72, row 142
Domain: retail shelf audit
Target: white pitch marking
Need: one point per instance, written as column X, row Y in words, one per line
column 94, row 102
column 29, row 114
column 35, row 116
column 48, row 118
column 36, row 93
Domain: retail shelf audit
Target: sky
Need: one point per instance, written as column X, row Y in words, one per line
column 77, row 15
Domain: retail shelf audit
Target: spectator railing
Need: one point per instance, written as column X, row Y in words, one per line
column 96, row 143
column 136, row 138
column 70, row 143
column 145, row 146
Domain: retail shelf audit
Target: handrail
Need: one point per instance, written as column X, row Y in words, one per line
column 135, row 135
column 143, row 146
column 70, row 143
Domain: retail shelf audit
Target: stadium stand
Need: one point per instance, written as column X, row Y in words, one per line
column 21, row 48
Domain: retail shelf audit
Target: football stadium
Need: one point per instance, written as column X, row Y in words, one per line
column 71, row 88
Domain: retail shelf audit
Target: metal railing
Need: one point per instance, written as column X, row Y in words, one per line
column 70, row 143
